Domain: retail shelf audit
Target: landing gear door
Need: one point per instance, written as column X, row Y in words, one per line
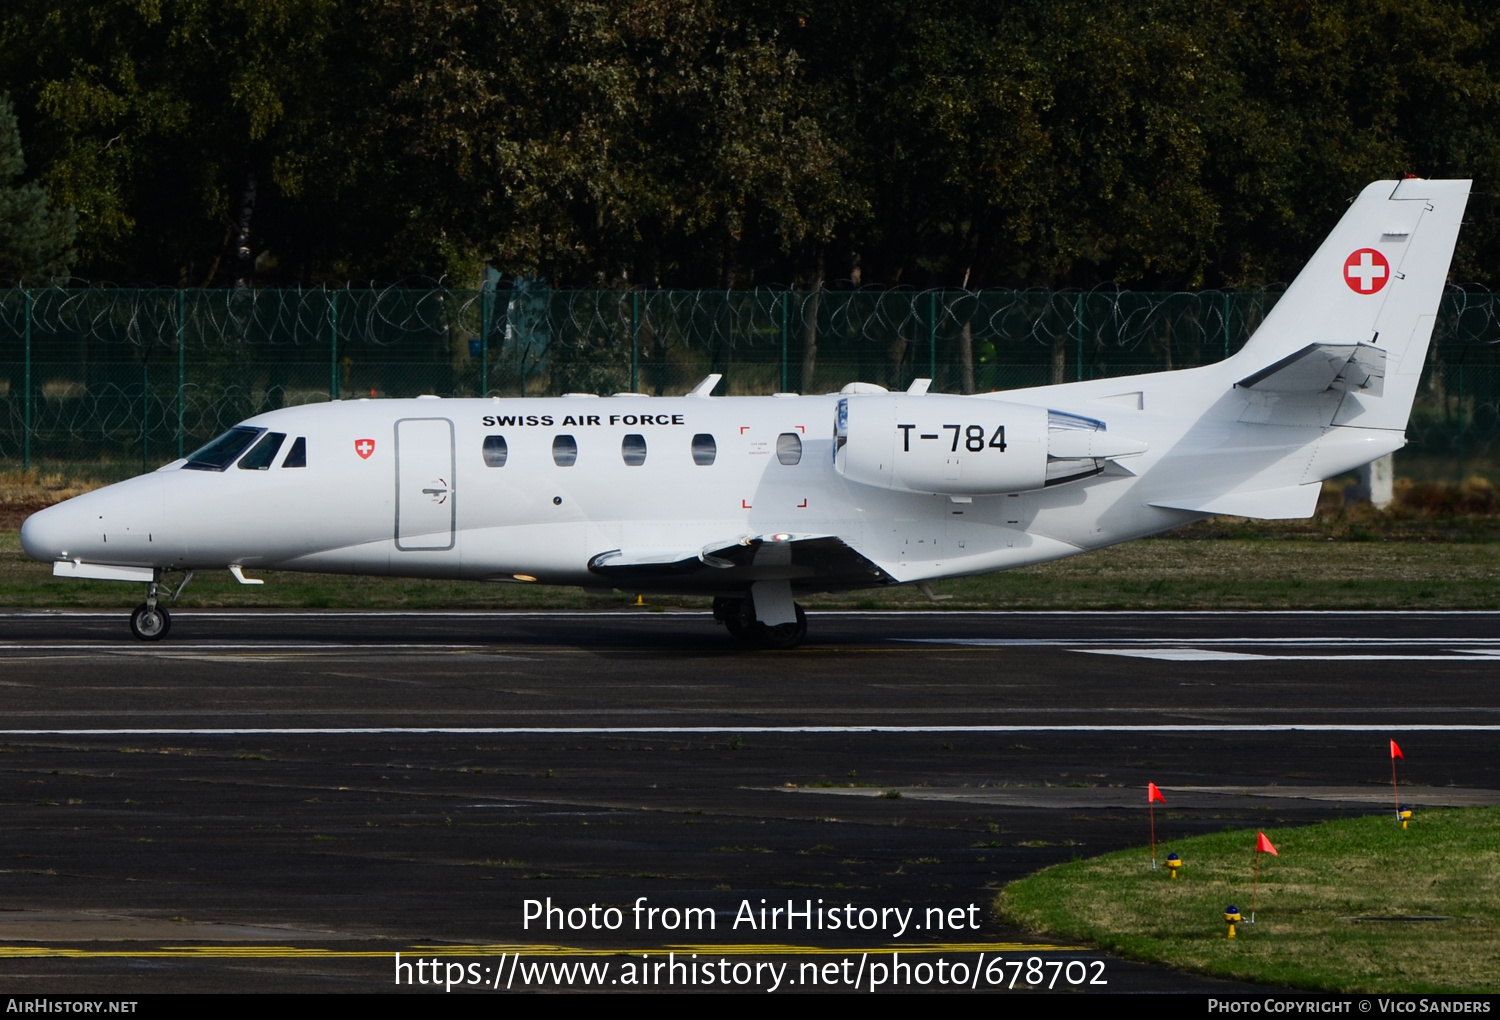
column 425, row 508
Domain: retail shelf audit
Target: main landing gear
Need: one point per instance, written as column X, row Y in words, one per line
column 738, row 617
column 152, row 622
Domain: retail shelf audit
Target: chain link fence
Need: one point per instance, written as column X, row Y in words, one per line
column 131, row 379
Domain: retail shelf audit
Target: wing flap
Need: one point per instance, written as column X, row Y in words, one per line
column 813, row 561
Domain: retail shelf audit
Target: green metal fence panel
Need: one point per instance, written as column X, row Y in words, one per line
column 135, row 378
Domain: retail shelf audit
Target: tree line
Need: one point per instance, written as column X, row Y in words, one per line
column 1158, row 144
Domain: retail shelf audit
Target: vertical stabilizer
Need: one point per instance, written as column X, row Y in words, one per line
column 1376, row 280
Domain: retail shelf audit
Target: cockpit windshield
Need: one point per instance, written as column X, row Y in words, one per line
column 220, row 453
column 262, row 453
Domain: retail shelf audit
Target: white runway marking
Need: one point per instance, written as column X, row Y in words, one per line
column 1157, row 648
column 478, row 731
column 1180, row 642
column 188, row 648
column 1188, row 650
column 315, row 614
column 1219, row 655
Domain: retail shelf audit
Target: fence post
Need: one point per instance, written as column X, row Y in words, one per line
column 635, row 341
column 1226, row 324
column 1078, row 333
column 786, row 300
column 932, row 335
column 1462, row 425
column 486, row 309
column 146, row 409
column 333, row 345
column 181, row 369
column 26, row 398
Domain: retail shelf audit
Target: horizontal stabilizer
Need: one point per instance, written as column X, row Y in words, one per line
column 1319, row 367
column 1265, row 504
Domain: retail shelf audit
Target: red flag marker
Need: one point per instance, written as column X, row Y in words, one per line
column 1262, row 846
column 1395, row 793
column 1152, row 796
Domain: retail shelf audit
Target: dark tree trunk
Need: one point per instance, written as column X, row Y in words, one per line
column 812, row 298
column 966, row 357
column 244, row 256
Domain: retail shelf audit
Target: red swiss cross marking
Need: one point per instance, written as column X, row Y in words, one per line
column 364, row 447
column 1366, row 271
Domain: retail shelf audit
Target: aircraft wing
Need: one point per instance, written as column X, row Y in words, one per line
column 812, row 562
column 1319, row 367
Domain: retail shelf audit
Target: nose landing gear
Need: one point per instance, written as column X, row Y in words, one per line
column 151, row 622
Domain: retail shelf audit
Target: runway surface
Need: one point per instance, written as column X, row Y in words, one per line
column 281, row 801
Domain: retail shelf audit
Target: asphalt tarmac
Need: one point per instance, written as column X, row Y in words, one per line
column 281, row 801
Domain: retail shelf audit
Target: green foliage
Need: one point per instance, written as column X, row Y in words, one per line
column 35, row 240
column 734, row 143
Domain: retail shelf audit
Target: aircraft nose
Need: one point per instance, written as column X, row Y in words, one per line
column 46, row 533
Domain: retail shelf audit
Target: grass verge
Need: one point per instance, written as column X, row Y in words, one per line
column 1446, row 865
column 1158, row 573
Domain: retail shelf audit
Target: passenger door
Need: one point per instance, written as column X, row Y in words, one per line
column 425, row 501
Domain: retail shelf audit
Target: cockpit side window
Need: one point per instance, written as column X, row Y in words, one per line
column 263, row 453
column 704, row 449
column 633, row 449
column 495, row 451
column 297, row 456
column 220, row 453
column 564, row 451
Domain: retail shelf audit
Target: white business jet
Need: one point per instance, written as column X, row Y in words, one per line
column 756, row 500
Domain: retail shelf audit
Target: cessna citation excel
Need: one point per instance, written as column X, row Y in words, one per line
column 756, row 500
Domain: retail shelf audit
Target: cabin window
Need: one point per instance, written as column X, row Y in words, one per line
column 495, row 451
column 633, row 449
column 220, row 453
column 564, row 451
column 789, row 448
column 262, row 453
column 297, row 457
column 704, row 449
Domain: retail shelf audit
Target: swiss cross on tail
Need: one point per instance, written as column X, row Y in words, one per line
column 364, row 447
column 1366, row 271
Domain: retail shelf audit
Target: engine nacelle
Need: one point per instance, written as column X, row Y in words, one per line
column 941, row 444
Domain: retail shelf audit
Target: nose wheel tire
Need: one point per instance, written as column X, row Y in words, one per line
column 150, row 624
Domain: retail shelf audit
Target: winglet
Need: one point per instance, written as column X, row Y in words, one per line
column 706, row 387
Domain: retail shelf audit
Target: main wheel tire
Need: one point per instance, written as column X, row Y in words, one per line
column 727, row 611
column 150, row 624
column 741, row 622
column 784, row 635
